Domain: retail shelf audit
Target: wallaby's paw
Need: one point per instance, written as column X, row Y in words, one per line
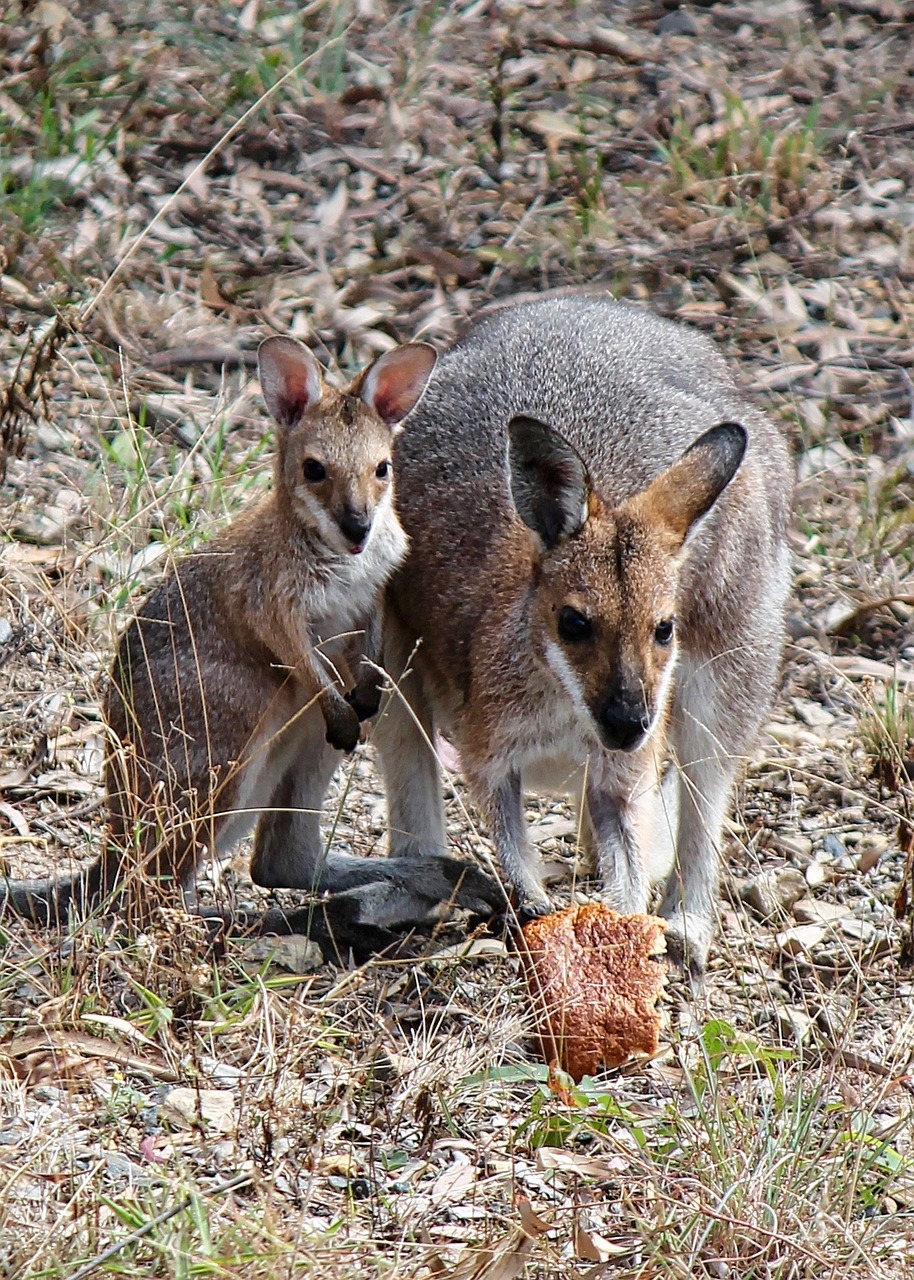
column 688, row 944
column 342, row 723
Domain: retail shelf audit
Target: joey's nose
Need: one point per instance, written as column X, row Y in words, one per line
column 622, row 726
column 355, row 527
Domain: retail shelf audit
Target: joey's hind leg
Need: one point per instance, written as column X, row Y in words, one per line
column 288, row 846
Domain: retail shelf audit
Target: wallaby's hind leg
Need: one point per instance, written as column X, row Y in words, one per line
column 403, row 735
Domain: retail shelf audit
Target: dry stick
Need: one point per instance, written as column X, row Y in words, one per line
column 239, row 1180
column 201, row 166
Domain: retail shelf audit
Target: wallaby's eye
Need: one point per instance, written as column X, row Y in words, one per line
column 573, row 625
column 663, row 632
column 382, row 470
column 314, row 471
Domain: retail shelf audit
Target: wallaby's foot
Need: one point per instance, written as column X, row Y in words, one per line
column 332, row 924
column 508, row 923
column 410, row 889
column 688, row 944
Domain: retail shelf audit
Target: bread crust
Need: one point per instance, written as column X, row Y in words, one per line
column 594, row 982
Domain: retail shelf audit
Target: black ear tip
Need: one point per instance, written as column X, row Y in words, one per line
column 728, row 440
column 731, row 434
column 522, row 430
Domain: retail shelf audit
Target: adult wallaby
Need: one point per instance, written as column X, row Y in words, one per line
column 226, row 698
column 593, row 598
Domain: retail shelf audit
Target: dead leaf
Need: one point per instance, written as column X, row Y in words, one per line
column 453, row 1184
column 55, row 1041
column 214, row 1107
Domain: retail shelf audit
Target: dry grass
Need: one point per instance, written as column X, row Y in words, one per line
column 159, row 215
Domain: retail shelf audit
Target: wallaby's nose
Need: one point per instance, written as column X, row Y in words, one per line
column 622, row 725
column 355, row 527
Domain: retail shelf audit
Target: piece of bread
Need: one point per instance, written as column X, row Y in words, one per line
column 594, row 984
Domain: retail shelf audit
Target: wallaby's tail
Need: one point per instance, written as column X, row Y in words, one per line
column 48, row 902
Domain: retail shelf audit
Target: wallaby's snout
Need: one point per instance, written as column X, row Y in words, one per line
column 355, row 526
column 623, row 722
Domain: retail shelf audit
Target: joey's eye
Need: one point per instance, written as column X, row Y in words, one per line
column 382, row 470
column 573, row 625
column 314, row 471
column 663, row 632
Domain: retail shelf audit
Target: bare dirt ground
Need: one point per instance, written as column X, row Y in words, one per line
column 745, row 168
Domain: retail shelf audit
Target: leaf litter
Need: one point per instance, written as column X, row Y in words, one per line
column 745, row 168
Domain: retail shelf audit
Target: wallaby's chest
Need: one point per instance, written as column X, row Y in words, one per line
column 344, row 597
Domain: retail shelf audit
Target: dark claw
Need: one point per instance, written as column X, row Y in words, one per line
column 508, row 924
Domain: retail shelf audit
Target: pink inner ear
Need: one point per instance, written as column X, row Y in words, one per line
column 290, row 379
column 395, row 382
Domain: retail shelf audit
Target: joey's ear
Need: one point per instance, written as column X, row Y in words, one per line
column 686, row 491
column 549, row 481
column 394, row 384
column 290, row 379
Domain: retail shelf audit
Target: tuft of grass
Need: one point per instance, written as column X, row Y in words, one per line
column 887, row 733
column 741, row 161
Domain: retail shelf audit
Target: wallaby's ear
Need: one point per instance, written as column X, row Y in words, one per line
column 290, row 379
column 686, row 491
column 549, row 482
column 394, row 384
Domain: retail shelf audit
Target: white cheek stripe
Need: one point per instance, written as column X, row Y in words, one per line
column 663, row 693
column 561, row 668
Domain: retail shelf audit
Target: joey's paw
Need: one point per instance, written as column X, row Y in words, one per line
column 342, row 723
column 688, row 944
column 365, row 699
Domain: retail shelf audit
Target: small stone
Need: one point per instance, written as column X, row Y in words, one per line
column 794, row 1024
column 812, row 911
column 6, row 630
column 215, row 1107
column 553, row 827
column 295, row 953
column 773, row 891
column 860, row 930
column 870, row 851
column 797, row 847
column 834, row 847
column 815, row 875
column 678, row 23
column 801, row 939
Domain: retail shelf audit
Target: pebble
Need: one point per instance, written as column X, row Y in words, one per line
column 6, row 630
column 794, row 846
column 811, row 911
column 774, row 890
column 678, row 23
column 794, row 1024
column 861, row 930
column 815, row 875
column 295, row 953
column 801, row 939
